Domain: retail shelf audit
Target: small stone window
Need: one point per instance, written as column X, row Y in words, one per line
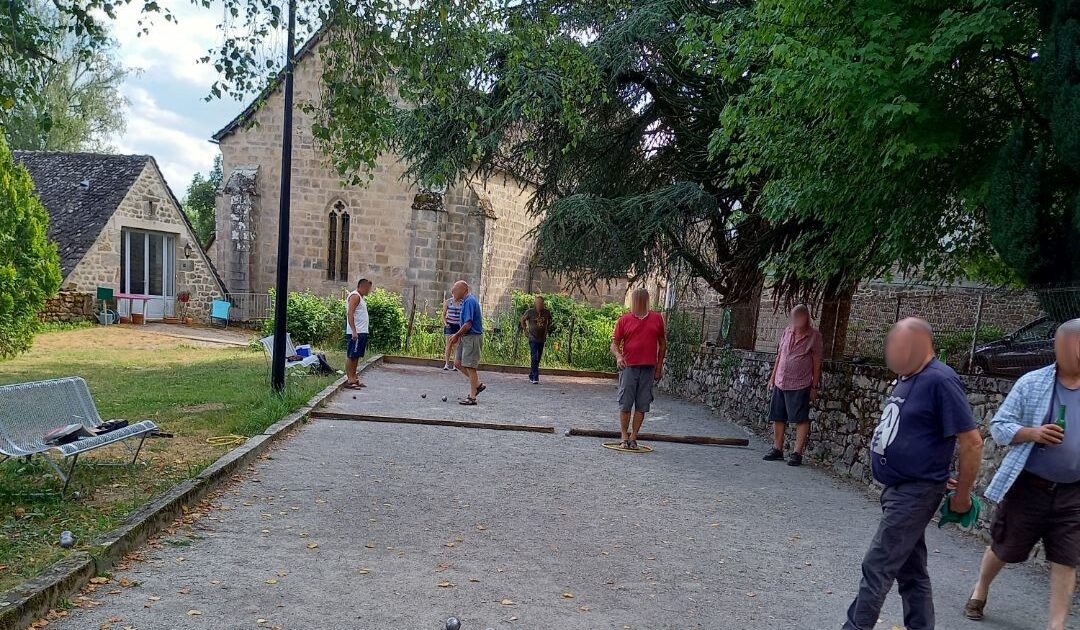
column 337, row 242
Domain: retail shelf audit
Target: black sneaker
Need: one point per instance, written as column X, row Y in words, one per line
column 774, row 455
column 796, row 459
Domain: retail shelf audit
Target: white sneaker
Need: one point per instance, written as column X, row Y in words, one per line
column 446, row 367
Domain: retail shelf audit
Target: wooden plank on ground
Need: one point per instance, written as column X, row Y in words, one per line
column 467, row 424
column 660, row 437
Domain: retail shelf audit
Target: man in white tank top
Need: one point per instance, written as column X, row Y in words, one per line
column 356, row 332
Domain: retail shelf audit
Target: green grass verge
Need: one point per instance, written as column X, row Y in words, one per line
column 191, row 390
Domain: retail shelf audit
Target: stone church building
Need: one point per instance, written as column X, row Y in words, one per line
column 405, row 240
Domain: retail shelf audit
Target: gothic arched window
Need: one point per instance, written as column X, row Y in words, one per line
column 337, row 242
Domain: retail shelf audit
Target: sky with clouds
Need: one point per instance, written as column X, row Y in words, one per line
column 167, row 114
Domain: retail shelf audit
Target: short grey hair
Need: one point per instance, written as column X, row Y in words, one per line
column 801, row 308
column 1071, row 327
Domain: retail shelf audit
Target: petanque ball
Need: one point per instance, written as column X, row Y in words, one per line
column 67, row 540
column 453, row 624
column 444, row 398
column 423, row 395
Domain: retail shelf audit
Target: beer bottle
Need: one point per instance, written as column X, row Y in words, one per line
column 1061, row 417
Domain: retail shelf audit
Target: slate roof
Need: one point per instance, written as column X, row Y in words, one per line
column 80, row 191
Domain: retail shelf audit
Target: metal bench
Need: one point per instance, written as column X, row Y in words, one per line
column 29, row 410
column 290, row 351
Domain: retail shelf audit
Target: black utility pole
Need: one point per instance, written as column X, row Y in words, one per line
column 281, row 297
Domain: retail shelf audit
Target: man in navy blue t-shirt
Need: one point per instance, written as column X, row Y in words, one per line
column 912, row 449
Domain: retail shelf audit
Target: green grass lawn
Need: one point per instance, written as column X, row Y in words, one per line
column 191, row 389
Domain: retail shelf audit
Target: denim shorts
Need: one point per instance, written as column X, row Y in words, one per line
column 357, row 347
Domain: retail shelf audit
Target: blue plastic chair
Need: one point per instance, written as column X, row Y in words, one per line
column 219, row 310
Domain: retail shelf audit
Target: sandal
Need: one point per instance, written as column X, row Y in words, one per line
column 353, row 386
column 481, row 387
column 625, row 444
column 632, row 445
column 468, row 402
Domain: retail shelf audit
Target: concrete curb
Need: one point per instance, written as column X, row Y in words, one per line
column 497, row 367
column 34, row 598
column 31, row 599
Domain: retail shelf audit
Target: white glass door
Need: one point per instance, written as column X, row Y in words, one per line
column 148, row 267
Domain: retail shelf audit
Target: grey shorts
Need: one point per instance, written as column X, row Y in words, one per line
column 468, row 351
column 636, row 385
column 791, row 405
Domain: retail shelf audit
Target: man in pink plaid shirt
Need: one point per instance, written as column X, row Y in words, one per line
column 794, row 382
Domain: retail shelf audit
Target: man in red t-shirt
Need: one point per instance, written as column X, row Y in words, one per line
column 639, row 347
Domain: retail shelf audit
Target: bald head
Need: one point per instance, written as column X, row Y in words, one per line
column 460, row 289
column 639, row 301
column 1067, row 347
column 909, row 346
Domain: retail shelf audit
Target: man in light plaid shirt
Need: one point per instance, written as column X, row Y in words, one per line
column 1038, row 484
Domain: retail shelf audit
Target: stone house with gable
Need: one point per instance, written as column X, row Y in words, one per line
column 117, row 225
column 413, row 242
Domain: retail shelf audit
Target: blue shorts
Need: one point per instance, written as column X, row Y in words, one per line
column 356, row 349
column 451, row 329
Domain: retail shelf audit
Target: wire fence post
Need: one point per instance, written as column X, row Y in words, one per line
column 517, row 340
column 570, row 342
column 896, row 315
column 412, row 320
column 975, row 332
column 701, row 339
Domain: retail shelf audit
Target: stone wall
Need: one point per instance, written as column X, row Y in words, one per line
column 149, row 205
column 733, row 383
column 68, row 307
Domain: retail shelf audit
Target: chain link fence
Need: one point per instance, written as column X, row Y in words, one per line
column 575, row 341
column 977, row 331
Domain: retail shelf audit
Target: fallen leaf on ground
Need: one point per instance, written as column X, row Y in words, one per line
column 507, row 602
column 568, row 596
column 271, row 581
column 363, row 571
column 99, row 580
column 313, row 545
column 446, row 584
column 194, row 613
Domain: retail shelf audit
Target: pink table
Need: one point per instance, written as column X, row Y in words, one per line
column 132, row 298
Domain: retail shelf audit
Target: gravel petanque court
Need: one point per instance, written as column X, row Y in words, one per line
column 356, row 525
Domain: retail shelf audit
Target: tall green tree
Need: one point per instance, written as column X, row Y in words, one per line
column 879, row 121
column 1034, row 201
column 199, row 203
column 29, row 263
column 77, row 104
column 28, row 36
column 593, row 102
